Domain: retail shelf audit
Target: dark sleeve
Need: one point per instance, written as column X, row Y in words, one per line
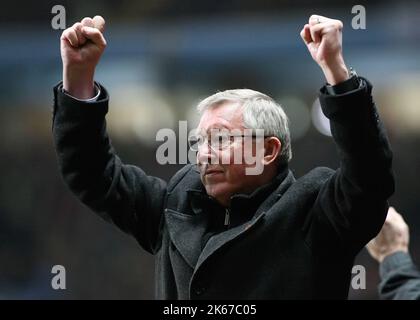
column 400, row 278
column 351, row 205
column 119, row 193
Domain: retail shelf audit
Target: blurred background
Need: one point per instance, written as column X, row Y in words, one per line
column 162, row 57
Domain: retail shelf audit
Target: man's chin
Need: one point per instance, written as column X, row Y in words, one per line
column 216, row 190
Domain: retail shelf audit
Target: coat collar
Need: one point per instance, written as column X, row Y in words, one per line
column 242, row 203
column 187, row 230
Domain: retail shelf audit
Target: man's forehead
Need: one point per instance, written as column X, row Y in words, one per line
column 227, row 114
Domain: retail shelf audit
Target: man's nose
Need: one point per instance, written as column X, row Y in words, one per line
column 206, row 154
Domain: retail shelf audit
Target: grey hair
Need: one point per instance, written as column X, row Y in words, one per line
column 259, row 112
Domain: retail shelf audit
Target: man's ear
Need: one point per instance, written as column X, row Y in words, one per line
column 272, row 149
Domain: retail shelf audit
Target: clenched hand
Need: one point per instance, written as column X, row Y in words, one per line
column 81, row 48
column 323, row 38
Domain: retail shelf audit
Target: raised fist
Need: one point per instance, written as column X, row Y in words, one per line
column 81, row 48
column 323, row 38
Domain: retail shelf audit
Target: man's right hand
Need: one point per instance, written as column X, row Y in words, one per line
column 81, row 48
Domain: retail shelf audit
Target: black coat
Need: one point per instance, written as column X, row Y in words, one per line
column 299, row 243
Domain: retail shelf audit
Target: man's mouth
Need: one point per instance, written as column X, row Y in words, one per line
column 212, row 171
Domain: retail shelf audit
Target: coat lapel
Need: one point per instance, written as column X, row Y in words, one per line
column 218, row 241
column 187, row 230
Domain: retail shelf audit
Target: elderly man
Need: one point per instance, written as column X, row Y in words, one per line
column 218, row 231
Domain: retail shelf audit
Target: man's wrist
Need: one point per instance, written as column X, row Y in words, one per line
column 335, row 72
column 395, row 261
column 352, row 83
column 391, row 252
column 79, row 85
column 93, row 99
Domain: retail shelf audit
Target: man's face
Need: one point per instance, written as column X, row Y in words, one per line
column 222, row 177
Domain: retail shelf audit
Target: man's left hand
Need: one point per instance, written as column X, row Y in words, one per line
column 323, row 37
